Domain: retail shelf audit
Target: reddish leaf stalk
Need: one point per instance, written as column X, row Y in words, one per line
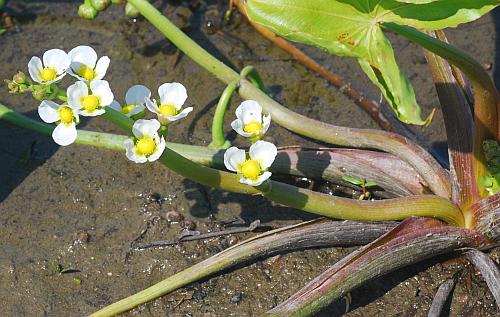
column 414, row 240
column 459, row 129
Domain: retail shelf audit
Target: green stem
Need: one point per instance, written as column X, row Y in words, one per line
column 250, row 73
column 218, row 138
column 485, row 93
column 304, row 199
column 435, row 176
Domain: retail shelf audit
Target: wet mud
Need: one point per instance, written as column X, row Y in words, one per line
column 71, row 216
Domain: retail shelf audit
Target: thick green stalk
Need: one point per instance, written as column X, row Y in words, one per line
column 423, row 162
column 485, row 93
column 304, row 199
column 218, row 138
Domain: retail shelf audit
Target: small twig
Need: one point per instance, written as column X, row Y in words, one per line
column 441, row 297
column 161, row 243
column 489, row 270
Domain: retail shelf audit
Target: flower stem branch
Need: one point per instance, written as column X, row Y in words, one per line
column 218, row 139
column 250, row 73
column 317, row 164
column 303, row 199
column 423, row 162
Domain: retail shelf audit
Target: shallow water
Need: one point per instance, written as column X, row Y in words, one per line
column 85, row 208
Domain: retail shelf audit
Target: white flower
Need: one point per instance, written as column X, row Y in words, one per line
column 134, row 101
column 250, row 123
column 172, row 98
column 66, row 118
column 84, row 64
column 90, row 103
column 54, row 66
column 146, row 145
column 253, row 171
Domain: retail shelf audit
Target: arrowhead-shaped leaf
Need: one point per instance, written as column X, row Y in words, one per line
column 352, row 28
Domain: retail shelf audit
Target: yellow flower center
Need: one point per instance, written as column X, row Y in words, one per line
column 87, row 73
column 66, row 115
column 48, row 74
column 252, row 127
column 250, row 169
column 145, row 146
column 168, row 109
column 127, row 108
column 90, row 102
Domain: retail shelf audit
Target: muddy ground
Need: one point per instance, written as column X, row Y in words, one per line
column 85, row 208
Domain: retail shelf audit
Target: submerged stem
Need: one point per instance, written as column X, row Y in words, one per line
column 423, row 162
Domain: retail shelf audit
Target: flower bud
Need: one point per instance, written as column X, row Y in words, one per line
column 12, row 86
column 100, row 4
column 87, row 11
column 131, row 11
column 20, row 78
column 39, row 94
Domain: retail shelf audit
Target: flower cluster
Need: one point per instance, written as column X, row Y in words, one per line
column 91, row 94
column 252, row 167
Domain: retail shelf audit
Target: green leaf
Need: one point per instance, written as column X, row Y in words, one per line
column 353, row 28
column 352, row 180
column 370, row 184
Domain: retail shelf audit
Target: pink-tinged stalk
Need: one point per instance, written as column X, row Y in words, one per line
column 414, row 240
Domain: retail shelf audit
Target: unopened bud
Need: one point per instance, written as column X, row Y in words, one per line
column 131, row 11
column 20, row 78
column 100, row 4
column 87, row 11
column 12, row 86
column 39, row 94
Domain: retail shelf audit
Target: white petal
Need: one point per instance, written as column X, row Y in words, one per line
column 145, row 127
column 101, row 89
column 172, row 93
column 75, row 94
column 64, row 134
column 249, row 111
column 180, row 115
column 35, row 67
column 101, row 67
column 131, row 154
column 151, row 105
column 137, row 95
column 136, row 110
column 266, row 121
column 48, row 111
column 233, row 157
column 115, row 105
column 95, row 113
column 160, row 147
column 237, row 126
column 57, row 59
column 263, row 152
column 258, row 181
column 82, row 56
